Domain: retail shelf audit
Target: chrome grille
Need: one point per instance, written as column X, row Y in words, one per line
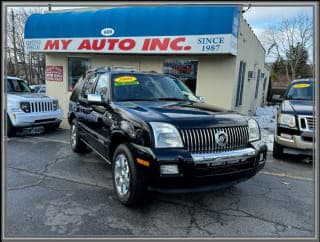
column 41, row 106
column 306, row 123
column 203, row 140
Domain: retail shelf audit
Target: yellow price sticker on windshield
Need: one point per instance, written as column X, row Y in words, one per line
column 301, row 85
column 126, row 80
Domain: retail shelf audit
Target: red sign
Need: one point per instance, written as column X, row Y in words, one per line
column 54, row 73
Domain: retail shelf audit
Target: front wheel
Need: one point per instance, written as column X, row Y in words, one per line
column 11, row 131
column 128, row 180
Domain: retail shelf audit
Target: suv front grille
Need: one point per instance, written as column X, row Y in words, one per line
column 306, row 123
column 41, row 106
column 203, row 140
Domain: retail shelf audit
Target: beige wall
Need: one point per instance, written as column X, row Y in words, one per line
column 252, row 53
column 216, row 78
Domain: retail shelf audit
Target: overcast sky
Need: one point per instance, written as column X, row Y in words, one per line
column 260, row 18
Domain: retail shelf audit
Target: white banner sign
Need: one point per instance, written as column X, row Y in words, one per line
column 190, row 44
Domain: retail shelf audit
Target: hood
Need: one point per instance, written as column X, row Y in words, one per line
column 298, row 107
column 26, row 95
column 182, row 114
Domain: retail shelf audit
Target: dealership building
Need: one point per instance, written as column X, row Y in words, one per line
column 211, row 48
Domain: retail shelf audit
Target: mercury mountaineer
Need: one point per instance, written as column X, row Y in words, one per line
column 158, row 136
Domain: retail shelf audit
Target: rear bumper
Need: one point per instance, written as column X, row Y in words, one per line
column 35, row 119
column 201, row 172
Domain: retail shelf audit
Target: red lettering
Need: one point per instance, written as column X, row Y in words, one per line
column 174, row 44
column 101, row 45
column 161, row 45
column 65, row 43
column 112, row 43
column 52, row 45
column 127, row 44
column 85, row 44
column 146, row 43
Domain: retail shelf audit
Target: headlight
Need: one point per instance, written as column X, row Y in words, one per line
column 165, row 135
column 25, row 106
column 287, row 119
column 55, row 105
column 253, row 129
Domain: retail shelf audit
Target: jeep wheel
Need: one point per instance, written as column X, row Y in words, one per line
column 76, row 144
column 11, row 131
column 127, row 179
column 277, row 150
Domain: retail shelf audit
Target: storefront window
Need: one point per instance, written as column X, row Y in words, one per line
column 185, row 70
column 77, row 66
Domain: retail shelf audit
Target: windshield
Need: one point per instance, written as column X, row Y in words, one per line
column 14, row 85
column 149, row 87
column 300, row 91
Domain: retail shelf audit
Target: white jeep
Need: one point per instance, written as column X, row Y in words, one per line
column 28, row 109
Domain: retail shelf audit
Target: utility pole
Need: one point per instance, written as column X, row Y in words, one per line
column 14, row 43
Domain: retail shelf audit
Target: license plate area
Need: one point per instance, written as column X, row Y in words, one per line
column 33, row 130
column 213, row 163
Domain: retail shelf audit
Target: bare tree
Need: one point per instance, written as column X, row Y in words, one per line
column 27, row 65
column 290, row 33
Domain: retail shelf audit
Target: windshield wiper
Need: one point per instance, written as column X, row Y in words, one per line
column 172, row 99
column 134, row 99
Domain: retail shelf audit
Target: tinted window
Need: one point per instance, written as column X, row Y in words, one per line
column 76, row 67
column 89, row 86
column 134, row 86
column 14, row 85
column 102, row 85
column 300, row 91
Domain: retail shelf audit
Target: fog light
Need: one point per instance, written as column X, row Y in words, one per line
column 287, row 136
column 169, row 169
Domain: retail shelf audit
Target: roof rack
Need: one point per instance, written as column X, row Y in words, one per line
column 124, row 68
column 152, row 71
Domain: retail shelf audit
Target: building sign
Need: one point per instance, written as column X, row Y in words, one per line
column 169, row 29
column 54, row 73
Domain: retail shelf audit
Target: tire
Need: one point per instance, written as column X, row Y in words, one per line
column 11, row 131
column 277, row 150
column 131, row 190
column 76, row 144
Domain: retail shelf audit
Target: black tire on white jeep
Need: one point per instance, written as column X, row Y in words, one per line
column 11, row 130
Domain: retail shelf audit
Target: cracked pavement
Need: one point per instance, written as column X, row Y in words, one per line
column 51, row 191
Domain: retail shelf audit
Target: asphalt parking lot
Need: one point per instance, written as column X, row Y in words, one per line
column 52, row 191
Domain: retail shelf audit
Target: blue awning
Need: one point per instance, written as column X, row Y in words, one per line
column 136, row 21
column 144, row 29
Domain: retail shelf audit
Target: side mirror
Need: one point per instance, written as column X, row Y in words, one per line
column 94, row 99
column 201, row 99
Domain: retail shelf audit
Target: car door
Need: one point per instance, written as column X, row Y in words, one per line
column 102, row 116
column 84, row 110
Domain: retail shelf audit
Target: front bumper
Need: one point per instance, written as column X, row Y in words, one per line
column 22, row 119
column 199, row 172
column 295, row 142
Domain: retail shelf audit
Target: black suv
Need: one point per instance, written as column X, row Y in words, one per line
column 158, row 136
column 295, row 120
